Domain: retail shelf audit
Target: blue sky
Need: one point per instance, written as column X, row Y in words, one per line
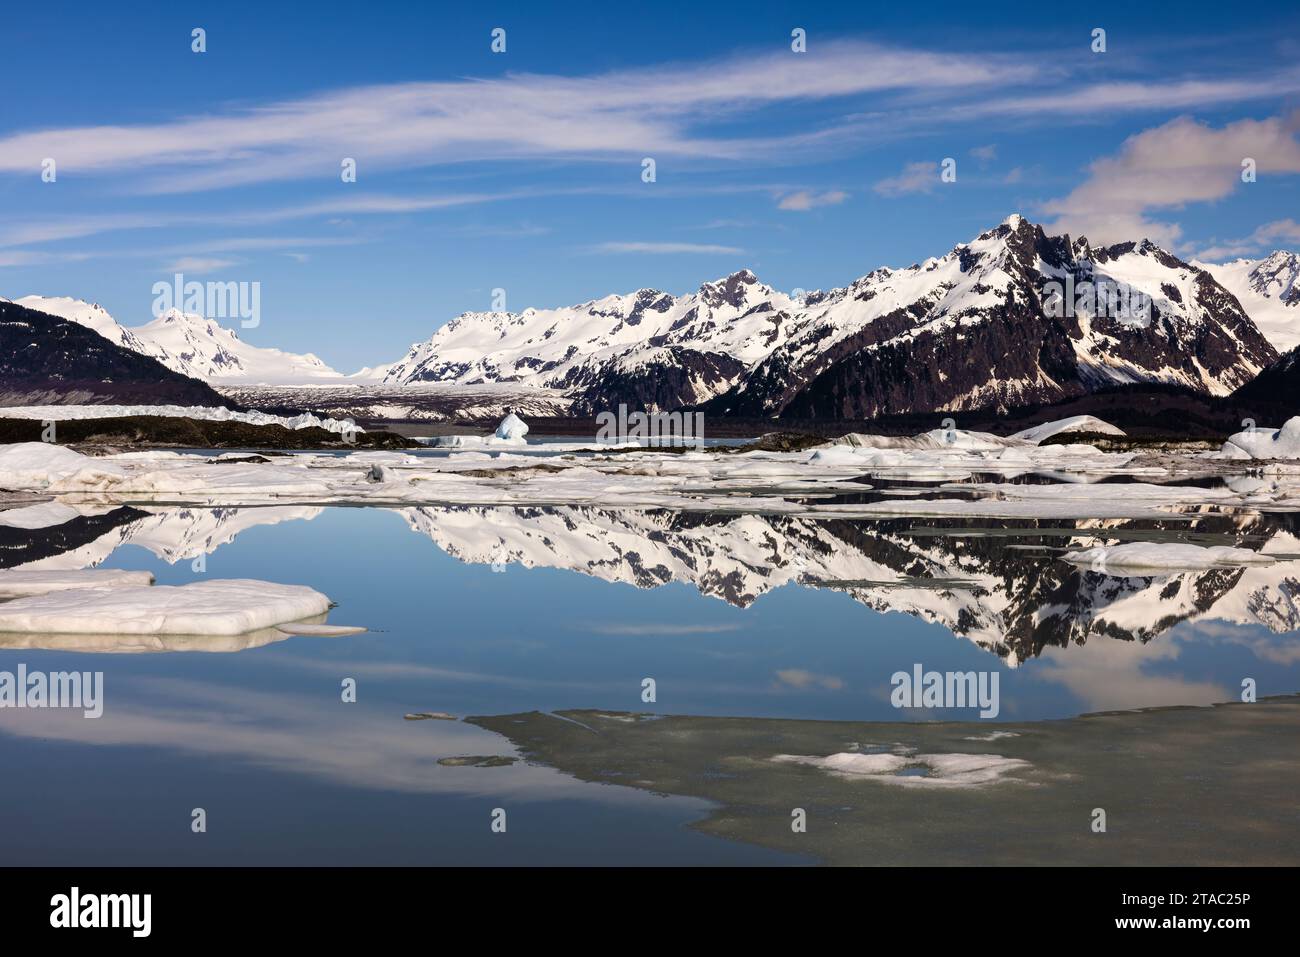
column 522, row 170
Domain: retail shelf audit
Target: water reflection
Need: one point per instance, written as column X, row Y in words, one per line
column 999, row 584
column 528, row 614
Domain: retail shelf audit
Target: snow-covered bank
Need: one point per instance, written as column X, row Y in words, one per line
column 60, row 413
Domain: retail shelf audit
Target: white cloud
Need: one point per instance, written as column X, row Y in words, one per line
column 1107, row 98
column 806, row 199
column 915, row 178
column 1165, row 168
column 985, row 154
column 1280, row 232
column 1266, row 238
column 662, row 111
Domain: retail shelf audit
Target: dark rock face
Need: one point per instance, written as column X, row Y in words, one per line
column 670, row 379
column 45, row 360
column 1277, row 388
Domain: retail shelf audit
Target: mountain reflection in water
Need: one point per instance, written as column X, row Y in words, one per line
column 549, row 618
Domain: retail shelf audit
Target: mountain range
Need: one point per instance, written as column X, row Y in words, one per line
column 46, row 359
column 190, row 344
column 985, row 326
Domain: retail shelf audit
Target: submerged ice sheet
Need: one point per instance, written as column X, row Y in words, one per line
column 931, row 770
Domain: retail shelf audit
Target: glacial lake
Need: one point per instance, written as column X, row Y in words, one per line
column 499, row 612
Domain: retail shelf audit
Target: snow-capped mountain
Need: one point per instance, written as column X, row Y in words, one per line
column 49, row 360
column 1269, row 290
column 975, row 328
column 647, row 348
column 191, row 345
column 987, row 325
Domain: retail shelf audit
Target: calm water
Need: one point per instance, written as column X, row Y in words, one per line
column 500, row 611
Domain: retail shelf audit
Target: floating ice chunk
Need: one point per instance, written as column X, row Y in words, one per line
column 936, row 440
column 221, row 607
column 320, row 631
column 383, row 458
column 1164, row 556
column 36, row 464
column 850, row 456
column 18, row 583
column 207, row 480
column 1075, row 423
column 1283, row 443
column 512, row 429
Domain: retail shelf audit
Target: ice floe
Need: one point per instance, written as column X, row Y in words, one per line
column 26, row 465
column 1254, row 443
column 1075, row 423
column 219, row 607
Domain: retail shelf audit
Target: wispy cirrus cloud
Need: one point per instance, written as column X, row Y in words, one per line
column 667, row 110
column 20, row 257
